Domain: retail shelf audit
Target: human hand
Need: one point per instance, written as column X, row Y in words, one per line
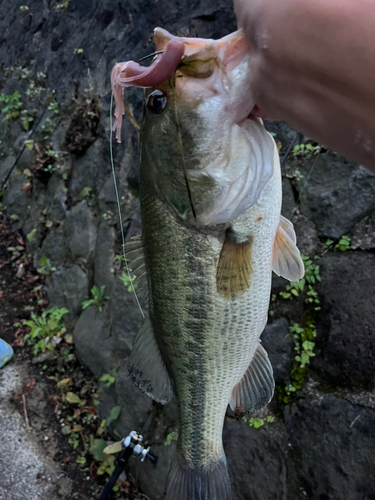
column 312, row 66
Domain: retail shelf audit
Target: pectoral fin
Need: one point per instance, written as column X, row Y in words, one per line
column 146, row 366
column 234, row 268
column 286, row 258
column 256, row 387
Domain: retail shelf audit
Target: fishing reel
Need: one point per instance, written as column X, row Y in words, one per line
column 134, row 442
column 131, row 445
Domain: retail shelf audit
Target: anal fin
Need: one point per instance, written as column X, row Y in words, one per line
column 256, row 387
column 146, row 366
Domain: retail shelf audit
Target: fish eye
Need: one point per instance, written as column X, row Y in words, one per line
column 157, row 101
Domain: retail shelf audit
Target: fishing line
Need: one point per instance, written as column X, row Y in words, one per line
column 181, row 147
column 119, row 207
column 151, row 55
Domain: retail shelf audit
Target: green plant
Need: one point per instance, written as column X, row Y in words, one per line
column 343, row 244
column 29, row 144
column 259, row 422
column 172, row 436
column 54, row 107
column 45, row 328
column 304, row 343
column 26, row 120
column 98, row 298
column 304, row 340
column 74, row 440
column 306, row 150
column 86, row 192
column 256, row 422
column 31, row 236
column 312, row 298
column 329, row 243
column 24, row 8
column 11, row 105
column 45, row 266
column 34, row 90
column 128, row 281
column 107, row 215
column 107, row 380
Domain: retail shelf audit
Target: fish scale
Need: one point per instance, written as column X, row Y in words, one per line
column 207, row 342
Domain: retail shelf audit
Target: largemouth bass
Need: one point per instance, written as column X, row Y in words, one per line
column 210, row 190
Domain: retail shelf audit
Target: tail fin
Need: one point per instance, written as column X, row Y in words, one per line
column 200, row 483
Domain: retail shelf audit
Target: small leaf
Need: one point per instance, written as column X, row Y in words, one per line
column 72, row 398
column 113, row 448
column 114, row 414
column 65, row 382
column 77, row 428
column 96, row 449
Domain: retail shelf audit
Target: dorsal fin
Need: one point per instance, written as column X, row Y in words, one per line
column 256, row 387
column 286, row 258
column 234, row 268
column 136, row 262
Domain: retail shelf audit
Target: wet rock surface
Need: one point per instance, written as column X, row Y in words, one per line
column 279, row 345
column 338, row 195
column 68, row 287
column 347, row 356
column 333, row 442
column 250, row 466
column 319, row 446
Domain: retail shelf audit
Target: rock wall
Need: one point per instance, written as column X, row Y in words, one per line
column 319, row 442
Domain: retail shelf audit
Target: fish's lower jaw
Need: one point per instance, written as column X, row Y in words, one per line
column 198, row 483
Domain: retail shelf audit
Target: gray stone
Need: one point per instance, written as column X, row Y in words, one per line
column 18, row 202
column 26, row 160
column 6, row 165
column 153, row 477
column 80, row 232
column 126, row 318
column 346, row 328
column 256, row 460
column 289, row 202
column 333, row 446
column 284, row 133
column 54, row 247
column 105, row 257
column 38, row 193
column 33, row 222
column 89, row 170
column 56, row 199
column 93, row 342
column 307, row 235
column 68, row 287
column 279, row 345
column 339, row 194
column 364, row 234
column 107, row 196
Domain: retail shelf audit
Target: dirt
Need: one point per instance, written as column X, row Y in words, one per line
column 36, row 456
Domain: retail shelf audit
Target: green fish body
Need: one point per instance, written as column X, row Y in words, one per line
column 211, row 234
